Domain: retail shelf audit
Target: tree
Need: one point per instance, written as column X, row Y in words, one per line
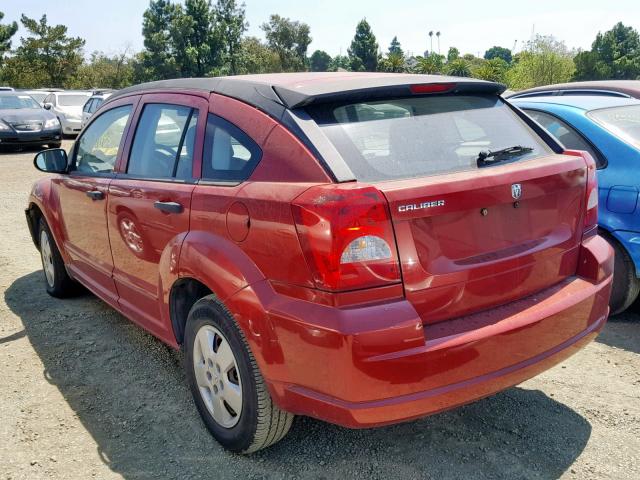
column 256, row 57
column 498, row 52
column 544, row 61
column 320, row 61
column 393, row 62
column 363, row 52
column 614, row 54
column 340, row 63
column 231, row 25
column 494, row 70
column 452, row 54
column 103, row 71
column 429, row 64
column 157, row 60
column 290, row 40
column 590, row 67
column 458, row 68
column 6, row 32
column 46, row 56
column 199, row 51
column 395, row 48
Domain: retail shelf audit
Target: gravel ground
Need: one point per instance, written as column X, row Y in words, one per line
column 86, row 394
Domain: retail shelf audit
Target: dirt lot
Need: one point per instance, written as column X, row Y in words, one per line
column 86, row 394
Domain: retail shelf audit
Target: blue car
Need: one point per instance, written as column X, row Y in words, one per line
column 608, row 128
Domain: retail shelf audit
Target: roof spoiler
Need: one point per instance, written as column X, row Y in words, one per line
column 292, row 98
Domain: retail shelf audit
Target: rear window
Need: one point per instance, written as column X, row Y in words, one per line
column 72, row 100
column 621, row 121
column 421, row 136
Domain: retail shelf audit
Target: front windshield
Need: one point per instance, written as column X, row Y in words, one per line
column 37, row 96
column 17, row 102
column 623, row 122
column 72, row 100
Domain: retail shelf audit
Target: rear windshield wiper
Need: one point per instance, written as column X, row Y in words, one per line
column 488, row 157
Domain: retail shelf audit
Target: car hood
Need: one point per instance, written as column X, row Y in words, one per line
column 25, row 115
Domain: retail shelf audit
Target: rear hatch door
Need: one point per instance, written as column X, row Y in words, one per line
column 470, row 235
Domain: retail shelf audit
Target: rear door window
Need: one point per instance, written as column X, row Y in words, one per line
column 566, row 134
column 420, row 136
column 623, row 122
column 164, row 142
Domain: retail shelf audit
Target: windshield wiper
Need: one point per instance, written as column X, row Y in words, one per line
column 488, row 157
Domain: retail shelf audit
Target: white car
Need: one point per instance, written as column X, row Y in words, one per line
column 67, row 106
column 93, row 104
column 37, row 95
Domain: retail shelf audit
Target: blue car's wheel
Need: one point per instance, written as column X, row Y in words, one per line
column 626, row 285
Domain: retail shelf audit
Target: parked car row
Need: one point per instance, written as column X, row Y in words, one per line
column 25, row 124
column 363, row 248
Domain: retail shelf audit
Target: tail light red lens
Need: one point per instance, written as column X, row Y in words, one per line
column 346, row 234
column 591, row 215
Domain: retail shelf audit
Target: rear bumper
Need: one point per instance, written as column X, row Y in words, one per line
column 70, row 126
column 376, row 365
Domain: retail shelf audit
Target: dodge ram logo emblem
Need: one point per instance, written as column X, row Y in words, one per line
column 516, row 191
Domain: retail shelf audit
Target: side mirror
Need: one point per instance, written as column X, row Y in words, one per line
column 53, row 160
column 47, row 106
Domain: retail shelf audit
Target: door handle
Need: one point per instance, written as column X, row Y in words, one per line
column 168, row 207
column 95, row 194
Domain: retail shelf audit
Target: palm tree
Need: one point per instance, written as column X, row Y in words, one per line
column 431, row 39
column 459, row 68
column 438, row 35
column 430, row 64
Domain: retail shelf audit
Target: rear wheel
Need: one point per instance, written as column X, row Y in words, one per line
column 56, row 279
column 226, row 384
column 626, row 285
column 55, row 145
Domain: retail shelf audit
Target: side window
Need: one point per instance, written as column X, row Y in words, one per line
column 98, row 146
column 48, row 99
column 164, row 141
column 88, row 105
column 229, row 153
column 566, row 134
column 96, row 104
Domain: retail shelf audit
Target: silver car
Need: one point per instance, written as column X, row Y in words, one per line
column 67, row 106
column 93, row 104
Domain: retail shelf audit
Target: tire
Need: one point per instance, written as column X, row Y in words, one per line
column 54, row 145
column 626, row 286
column 56, row 279
column 210, row 335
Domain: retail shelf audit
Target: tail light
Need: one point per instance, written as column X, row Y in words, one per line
column 347, row 238
column 591, row 215
column 431, row 88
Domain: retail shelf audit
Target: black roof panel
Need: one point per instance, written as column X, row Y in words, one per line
column 293, row 90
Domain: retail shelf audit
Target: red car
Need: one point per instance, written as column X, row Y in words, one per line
column 361, row 248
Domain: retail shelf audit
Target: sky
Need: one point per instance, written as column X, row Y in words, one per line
column 471, row 26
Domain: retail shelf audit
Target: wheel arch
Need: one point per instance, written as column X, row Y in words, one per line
column 208, row 263
column 618, row 238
